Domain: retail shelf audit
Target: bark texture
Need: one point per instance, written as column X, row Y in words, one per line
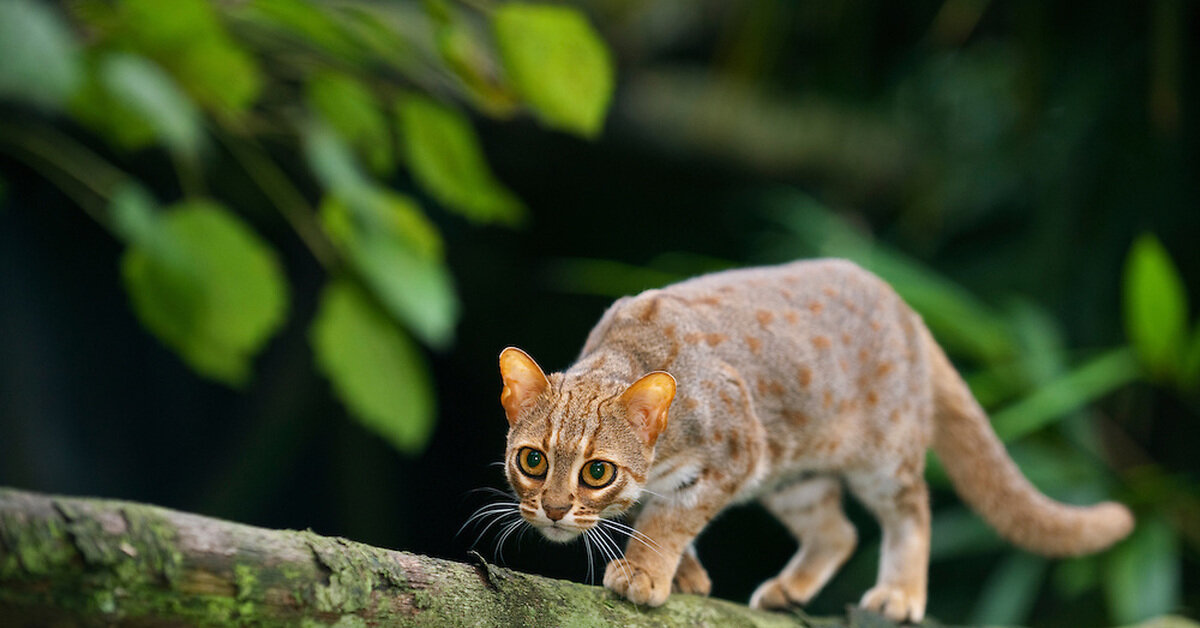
column 77, row 561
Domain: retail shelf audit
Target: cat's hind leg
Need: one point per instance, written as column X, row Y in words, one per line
column 900, row 501
column 812, row 510
column 690, row 576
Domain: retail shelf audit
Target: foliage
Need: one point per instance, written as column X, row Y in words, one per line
column 378, row 86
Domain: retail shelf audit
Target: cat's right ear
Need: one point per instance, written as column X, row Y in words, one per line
column 523, row 380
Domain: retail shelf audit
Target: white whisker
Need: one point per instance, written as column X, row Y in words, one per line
column 634, row 534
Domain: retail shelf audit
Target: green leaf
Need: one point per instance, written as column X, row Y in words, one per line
column 191, row 43
column 310, row 23
column 398, row 254
column 1050, row 402
column 39, row 62
column 557, row 62
column 1189, row 369
column 1010, row 591
column 147, row 90
column 1143, row 575
column 352, row 111
column 374, row 368
column 332, row 161
column 1155, row 305
column 206, row 285
column 446, row 159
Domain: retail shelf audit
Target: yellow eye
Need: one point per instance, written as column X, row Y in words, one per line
column 532, row 461
column 598, row 473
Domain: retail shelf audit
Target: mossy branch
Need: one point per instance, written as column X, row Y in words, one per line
column 101, row 562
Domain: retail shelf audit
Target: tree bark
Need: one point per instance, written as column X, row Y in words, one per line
column 99, row 562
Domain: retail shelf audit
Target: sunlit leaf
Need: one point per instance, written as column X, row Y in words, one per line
column 1143, row 575
column 445, row 157
column 352, row 111
column 1155, row 305
column 374, row 368
column 212, row 290
column 39, row 61
column 385, row 211
column 146, row 89
column 557, row 62
column 464, row 52
column 1010, row 591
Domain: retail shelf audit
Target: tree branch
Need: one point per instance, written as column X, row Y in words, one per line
column 102, row 562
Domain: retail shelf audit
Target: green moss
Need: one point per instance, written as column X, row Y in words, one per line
column 245, row 580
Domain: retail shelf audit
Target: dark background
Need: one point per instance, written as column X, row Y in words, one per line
column 1034, row 145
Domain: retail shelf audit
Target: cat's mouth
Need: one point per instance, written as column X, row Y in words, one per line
column 559, row 532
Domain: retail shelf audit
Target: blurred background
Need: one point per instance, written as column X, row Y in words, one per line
column 259, row 256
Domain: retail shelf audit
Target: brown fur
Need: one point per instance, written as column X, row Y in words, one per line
column 768, row 406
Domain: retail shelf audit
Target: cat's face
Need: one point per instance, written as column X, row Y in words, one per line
column 578, row 450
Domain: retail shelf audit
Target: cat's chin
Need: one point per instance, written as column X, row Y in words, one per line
column 558, row 534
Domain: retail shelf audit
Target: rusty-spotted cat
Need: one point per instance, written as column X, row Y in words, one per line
column 780, row 384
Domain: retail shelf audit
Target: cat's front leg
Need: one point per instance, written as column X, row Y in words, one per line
column 646, row 573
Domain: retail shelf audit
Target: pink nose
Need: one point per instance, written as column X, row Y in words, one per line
column 556, row 513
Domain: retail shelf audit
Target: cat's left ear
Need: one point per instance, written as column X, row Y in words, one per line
column 523, row 380
column 646, row 403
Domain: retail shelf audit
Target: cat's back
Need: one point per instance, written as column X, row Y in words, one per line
column 754, row 312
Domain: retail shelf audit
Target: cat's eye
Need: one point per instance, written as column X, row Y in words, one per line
column 532, row 462
column 598, row 473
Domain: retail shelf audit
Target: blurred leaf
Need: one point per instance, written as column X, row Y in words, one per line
column 396, row 252
column 214, row 293
column 557, row 62
column 1010, row 591
column 1143, row 577
column 39, row 62
column 374, row 368
column 310, row 23
column 1049, row 403
column 1189, row 369
column 446, row 159
column 961, row 323
column 1075, row 575
column 1155, row 305
column 190, row 42
column 606, row 278
column 147, row 90
column 470, row 60
column 961, row 532
column 95, row 107
column 385, row 211
column 135, row 218
column 351, row 109
column 332, row 161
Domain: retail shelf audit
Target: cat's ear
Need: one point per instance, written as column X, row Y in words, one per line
column 646, row 403
column 523, row 380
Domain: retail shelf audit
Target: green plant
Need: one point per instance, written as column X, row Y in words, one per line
column 361, row 90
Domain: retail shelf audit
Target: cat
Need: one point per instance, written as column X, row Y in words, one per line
column 780, row 384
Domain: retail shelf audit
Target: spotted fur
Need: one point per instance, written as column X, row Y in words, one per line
column 785, row 384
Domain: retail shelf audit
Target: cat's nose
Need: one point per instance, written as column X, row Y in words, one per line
column 556, row 513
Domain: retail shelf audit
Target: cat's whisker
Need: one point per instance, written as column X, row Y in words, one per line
column 493, row 490
column 587, row 545
column 633, row 533
column 615, row 551
column 498, row 553
column 488, row 510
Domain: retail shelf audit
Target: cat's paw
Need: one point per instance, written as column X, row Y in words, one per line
column 895, row 602
column 635, row 583
column 690, row 577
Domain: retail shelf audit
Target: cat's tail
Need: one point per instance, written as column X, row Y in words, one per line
column 988, row 480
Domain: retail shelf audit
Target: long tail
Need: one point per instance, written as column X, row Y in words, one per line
column 988, row 480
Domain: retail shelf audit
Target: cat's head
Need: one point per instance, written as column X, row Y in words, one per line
column 579, row 448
